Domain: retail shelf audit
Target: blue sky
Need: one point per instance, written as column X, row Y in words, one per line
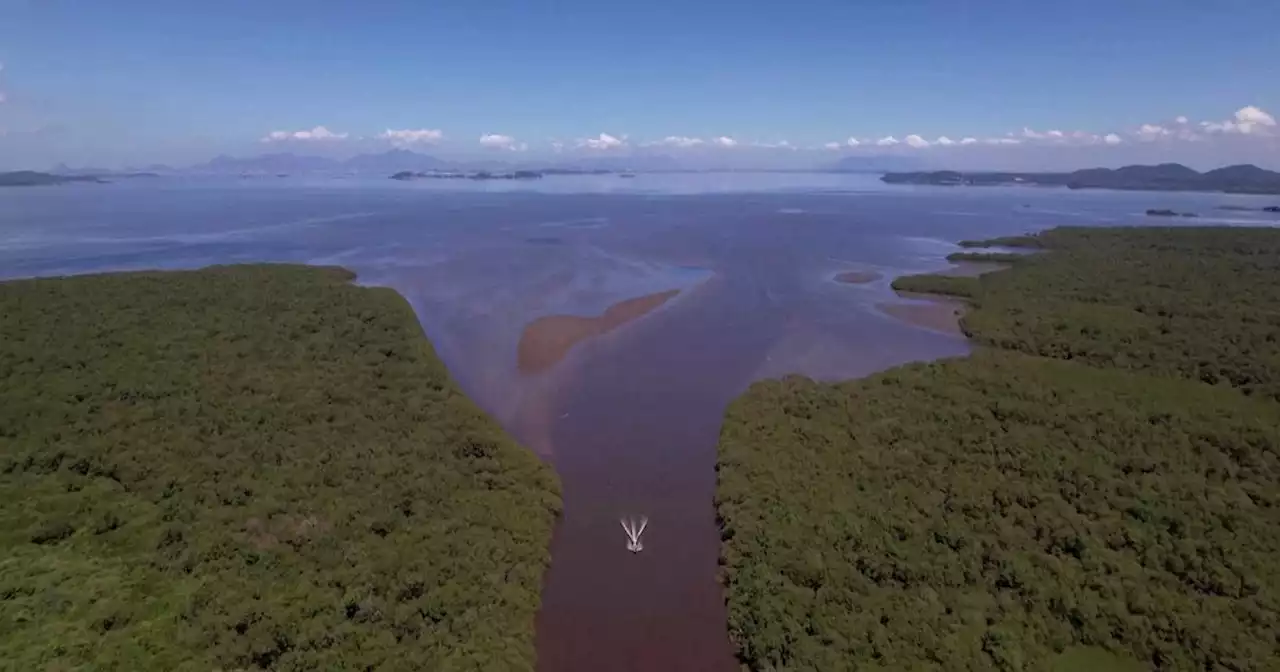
column 133, row 82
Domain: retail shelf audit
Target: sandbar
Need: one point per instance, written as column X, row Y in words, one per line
column 931, row 312
column 546, row 340
column 937, row 312
column 972, row 269
column 857, row 277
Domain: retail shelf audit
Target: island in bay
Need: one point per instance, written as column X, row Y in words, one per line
column 1238, row 179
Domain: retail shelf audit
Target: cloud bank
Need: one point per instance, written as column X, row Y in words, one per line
column 1249, row 131
column 680, row 141
column 317, row 134
column 406, row 137
column 604, row 141
column 1249, row 121
column 499, row 141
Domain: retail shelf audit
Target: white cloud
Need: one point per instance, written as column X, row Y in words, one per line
column 498, row 141
column 603, row 141
column 1152, row 132
column 1032, row 134
column 1249, row 118
column 319, row 133
column 409, row 136
column 678, row 141
column 1246, row 120
column 1218, row 127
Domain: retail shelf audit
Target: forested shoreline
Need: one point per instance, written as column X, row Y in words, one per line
column 253, row 467
column 1096, row 488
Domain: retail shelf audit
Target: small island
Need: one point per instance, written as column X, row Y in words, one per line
column 1165, row 212
column 31, row 178
column 406, row 175
column 857, row 277
column 1238, row 179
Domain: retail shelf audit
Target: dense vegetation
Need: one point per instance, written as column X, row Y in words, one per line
column 1009, row 511
column 1005, row 241
column 1200, row 303
column 987, row 257
column 253, row 467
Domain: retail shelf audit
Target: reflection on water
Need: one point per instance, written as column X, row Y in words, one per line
column 629, row 416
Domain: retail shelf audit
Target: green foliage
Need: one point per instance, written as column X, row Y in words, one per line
column 1031, row 241
column 948, row 285
column 1016, row 512
column 989, row 513
column 987, row 257
column 1093, row 659
column 253, row 467
column 1199, row 303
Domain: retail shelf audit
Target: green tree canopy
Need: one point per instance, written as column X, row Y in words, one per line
column 1073, row 498
column 253, row 467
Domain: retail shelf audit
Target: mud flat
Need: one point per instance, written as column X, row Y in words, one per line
column 971, row 269
column 933, row 311
column 928, row 312
column 547, row 340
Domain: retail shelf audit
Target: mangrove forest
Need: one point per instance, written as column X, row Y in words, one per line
column 253, row 467
column 1096, row 488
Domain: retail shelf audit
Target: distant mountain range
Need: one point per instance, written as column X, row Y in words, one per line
column 876, row 164
column 1239, row 179
column 381, row 164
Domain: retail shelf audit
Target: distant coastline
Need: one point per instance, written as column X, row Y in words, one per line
column 406, row 175
column 1238, row 179
column 31, row 178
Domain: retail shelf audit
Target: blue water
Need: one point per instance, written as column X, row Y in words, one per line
column 480, row 260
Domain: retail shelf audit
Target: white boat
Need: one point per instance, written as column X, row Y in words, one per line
column 634, row 531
